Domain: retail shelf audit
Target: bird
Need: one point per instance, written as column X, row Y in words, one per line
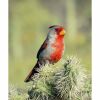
column 51, row 51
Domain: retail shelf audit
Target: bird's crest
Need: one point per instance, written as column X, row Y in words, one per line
column 53, row 26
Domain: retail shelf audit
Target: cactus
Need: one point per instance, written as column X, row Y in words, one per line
column 66, row 80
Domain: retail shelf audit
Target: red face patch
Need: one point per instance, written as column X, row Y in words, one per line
column 58, row 30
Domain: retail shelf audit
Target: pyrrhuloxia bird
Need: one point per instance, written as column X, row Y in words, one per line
column 51, row 50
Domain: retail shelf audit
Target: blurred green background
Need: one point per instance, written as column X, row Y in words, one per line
column 28, row 26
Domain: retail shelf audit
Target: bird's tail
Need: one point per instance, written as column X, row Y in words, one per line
column 33, row 71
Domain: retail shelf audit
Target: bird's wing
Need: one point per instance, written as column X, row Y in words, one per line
column 43, row 46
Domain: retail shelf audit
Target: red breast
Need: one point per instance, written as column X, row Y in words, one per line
column 58, row 46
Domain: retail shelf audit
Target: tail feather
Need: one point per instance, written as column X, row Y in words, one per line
column 33, row 71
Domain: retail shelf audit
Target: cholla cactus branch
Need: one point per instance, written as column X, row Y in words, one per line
column 66, row 80
column 16, row 93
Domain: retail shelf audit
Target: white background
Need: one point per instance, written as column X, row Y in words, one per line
column 96, row 50
column 4, row 50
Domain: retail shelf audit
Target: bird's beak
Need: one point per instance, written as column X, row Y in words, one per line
column 62, row 32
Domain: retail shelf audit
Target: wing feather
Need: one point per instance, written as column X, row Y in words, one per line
column 43, row 46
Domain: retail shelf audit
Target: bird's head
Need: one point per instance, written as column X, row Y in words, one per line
column 56, row 31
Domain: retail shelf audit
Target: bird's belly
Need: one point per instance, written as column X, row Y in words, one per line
column 58, row 46
column 52, row 53
column 57, row 54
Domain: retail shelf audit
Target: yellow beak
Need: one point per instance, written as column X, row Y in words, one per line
column 62, row 32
